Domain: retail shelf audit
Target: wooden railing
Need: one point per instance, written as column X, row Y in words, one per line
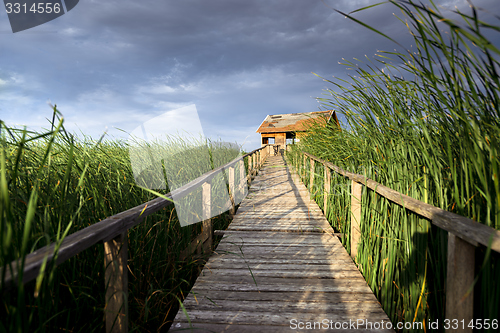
column 113, row 232
column 464, row 234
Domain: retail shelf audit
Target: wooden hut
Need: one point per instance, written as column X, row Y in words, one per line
column 281, row 129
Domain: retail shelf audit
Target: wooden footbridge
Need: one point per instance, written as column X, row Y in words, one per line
column 279, row 266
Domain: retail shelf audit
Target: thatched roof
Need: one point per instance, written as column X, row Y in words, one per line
column 294, row 122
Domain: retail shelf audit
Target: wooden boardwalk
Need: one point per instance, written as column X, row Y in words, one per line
column 279, row 268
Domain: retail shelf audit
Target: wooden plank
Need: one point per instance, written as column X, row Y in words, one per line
column 231, row 259
column 243, row 181
column 291, row 250
column 355, row 217
column 292, row 226
column 311, row 177
column 274, row 218
column 203, row 303
column 250, row 168
column 292, row 296
column 326, row 273
column 277, row 200
column 207, row 213
column 264, row 284
column 281, row 318
column 280, row 255
column 254, row 203
column 326, row 191
column 277, row 208
column 304, row 167
column 335, row 267
column 116, row 284
column 281, row 238
column 241, row 328
column 245, row 243
column 231, row 184
column 460, row 278
column 279, row 258
column 272, row 213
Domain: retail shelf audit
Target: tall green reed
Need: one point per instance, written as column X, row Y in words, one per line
column 426, row 123
column 52, row 184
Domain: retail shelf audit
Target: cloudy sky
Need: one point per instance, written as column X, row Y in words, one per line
column 116, row 64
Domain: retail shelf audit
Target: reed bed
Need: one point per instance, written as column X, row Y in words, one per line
column 53, row 184
column 426, row 123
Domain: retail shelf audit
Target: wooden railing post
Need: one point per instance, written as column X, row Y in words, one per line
column 249, row 168
column 355, row 217
column 304, row 167
column 255, row 166
column 207, row 221
column 311, row 177
column 231, row 190
column 243, row 179
column 459, row 278
column 327, row 178
column 116, row 279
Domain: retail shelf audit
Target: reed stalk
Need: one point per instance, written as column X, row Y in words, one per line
column 54, row 183
column 425, row 122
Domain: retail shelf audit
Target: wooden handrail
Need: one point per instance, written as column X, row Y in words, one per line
column 112, row 231
column 464, row 235
column 463, row 227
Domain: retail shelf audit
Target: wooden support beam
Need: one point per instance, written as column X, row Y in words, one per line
column 255, row 166
column 232, row 192
column 460, row 277
column 304, row 168
column 327, row 179
column 243, row 179
column 355, row 217
column 207, row 221
column 116, row 279
column 311, row 177
column 249, row 167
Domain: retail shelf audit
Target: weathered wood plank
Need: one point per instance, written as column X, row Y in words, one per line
column 279, row 255
column 278, row 260
column 460, row 279
column 232, row 328
column 272, row 271
column 277, row 208
column 355, row 217
column 279, row 318
column 327, row 177
column 281, row 238
column 207, row 227
column 275, row 214
column 292, row 296
column 203, row 303
column 116, row 284
column 237, row 261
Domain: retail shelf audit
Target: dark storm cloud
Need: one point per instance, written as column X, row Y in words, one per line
column 117, row 63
